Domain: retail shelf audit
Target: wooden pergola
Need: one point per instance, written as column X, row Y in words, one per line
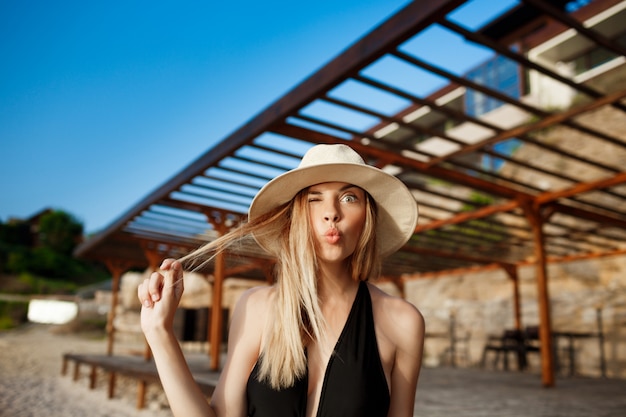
column 559, row 196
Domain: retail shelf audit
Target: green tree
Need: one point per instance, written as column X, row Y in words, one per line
column 59, row 232
column 37, row 257
column 14, row 237
column 16, row 234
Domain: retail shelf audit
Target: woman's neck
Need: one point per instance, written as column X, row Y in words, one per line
column 335, row 282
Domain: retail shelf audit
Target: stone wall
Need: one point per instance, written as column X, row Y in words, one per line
column 481, row 304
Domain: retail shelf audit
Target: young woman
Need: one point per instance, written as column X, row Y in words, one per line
column 321, row 341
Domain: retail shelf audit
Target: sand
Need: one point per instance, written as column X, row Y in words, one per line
column 31, row 383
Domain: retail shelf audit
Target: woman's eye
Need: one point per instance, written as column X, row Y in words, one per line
column 349, row 198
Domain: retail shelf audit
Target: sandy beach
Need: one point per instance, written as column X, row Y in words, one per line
column 31, row 384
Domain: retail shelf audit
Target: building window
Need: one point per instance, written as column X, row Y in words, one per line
column 595, row 57
column 500, row 74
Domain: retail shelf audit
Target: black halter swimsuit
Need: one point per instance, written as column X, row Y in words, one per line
column 354, row 383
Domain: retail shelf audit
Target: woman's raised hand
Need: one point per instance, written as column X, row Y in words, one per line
column 159, row 296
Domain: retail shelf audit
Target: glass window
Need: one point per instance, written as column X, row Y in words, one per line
column 498, row 73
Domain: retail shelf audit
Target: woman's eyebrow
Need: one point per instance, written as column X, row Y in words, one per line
column 348, row 186
column 344, row 188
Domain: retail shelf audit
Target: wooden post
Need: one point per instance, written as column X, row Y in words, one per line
column 511, row 270
column 111, row 390
column 533, row 214
column 219, row 222
column 76, row 370
column 116, row 269
column 216, row 311
column 601, row 341
column 141, row 394
column 93, row 376
column 64, row 366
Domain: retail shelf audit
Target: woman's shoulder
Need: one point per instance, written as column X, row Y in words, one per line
column 249, row 317
column 385, row 300
column 255, row 300
column 396, row 314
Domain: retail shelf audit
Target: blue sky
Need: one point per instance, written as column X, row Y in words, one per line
column 101, row 102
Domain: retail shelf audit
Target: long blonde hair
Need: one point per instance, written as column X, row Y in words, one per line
column 295, row 316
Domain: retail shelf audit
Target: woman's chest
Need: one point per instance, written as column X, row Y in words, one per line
column 346, row 372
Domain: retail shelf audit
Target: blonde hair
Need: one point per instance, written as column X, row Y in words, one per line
column 295, row 316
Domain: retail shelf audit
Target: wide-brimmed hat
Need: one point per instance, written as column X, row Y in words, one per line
column 396, row 207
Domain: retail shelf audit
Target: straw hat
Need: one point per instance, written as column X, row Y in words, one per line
column 397, row 209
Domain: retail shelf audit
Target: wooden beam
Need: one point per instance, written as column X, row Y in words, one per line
column 507, row 51
column 233, row 271
column 395, row 156
column 567, row 20
column 469, row 215
column 457, row 271
column 544, row 122
column 581, row 188
column 413, row 18
column 589, row 215
column 584, row 256
column 443, row 254
column 475, row 269
column 533, row 214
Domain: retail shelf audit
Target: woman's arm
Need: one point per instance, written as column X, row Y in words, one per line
column 244, row 346
column 159, row 296
column 409, row 340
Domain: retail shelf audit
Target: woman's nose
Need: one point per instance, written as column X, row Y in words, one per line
column 331, row 213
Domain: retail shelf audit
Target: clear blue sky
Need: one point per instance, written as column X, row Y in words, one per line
column 101, row 102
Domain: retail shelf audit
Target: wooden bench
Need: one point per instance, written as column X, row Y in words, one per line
column 144, row 371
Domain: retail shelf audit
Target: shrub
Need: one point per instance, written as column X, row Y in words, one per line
column 12, row 314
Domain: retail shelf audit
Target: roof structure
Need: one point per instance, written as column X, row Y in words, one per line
column 517, row 160
column 479, row 177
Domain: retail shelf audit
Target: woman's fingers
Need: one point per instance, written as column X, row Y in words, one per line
column 155, row 286
column 173, row 281
column 150, row 290
column 142, row 294
column 167, row 263
column 169, row 280
column 145, row 290
column 172, row 272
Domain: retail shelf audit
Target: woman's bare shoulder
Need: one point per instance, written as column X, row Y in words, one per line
column 396, row 313
column 255, row 301
column 248, row 321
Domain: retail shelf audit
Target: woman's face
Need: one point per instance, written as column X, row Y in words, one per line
column 337, row 215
